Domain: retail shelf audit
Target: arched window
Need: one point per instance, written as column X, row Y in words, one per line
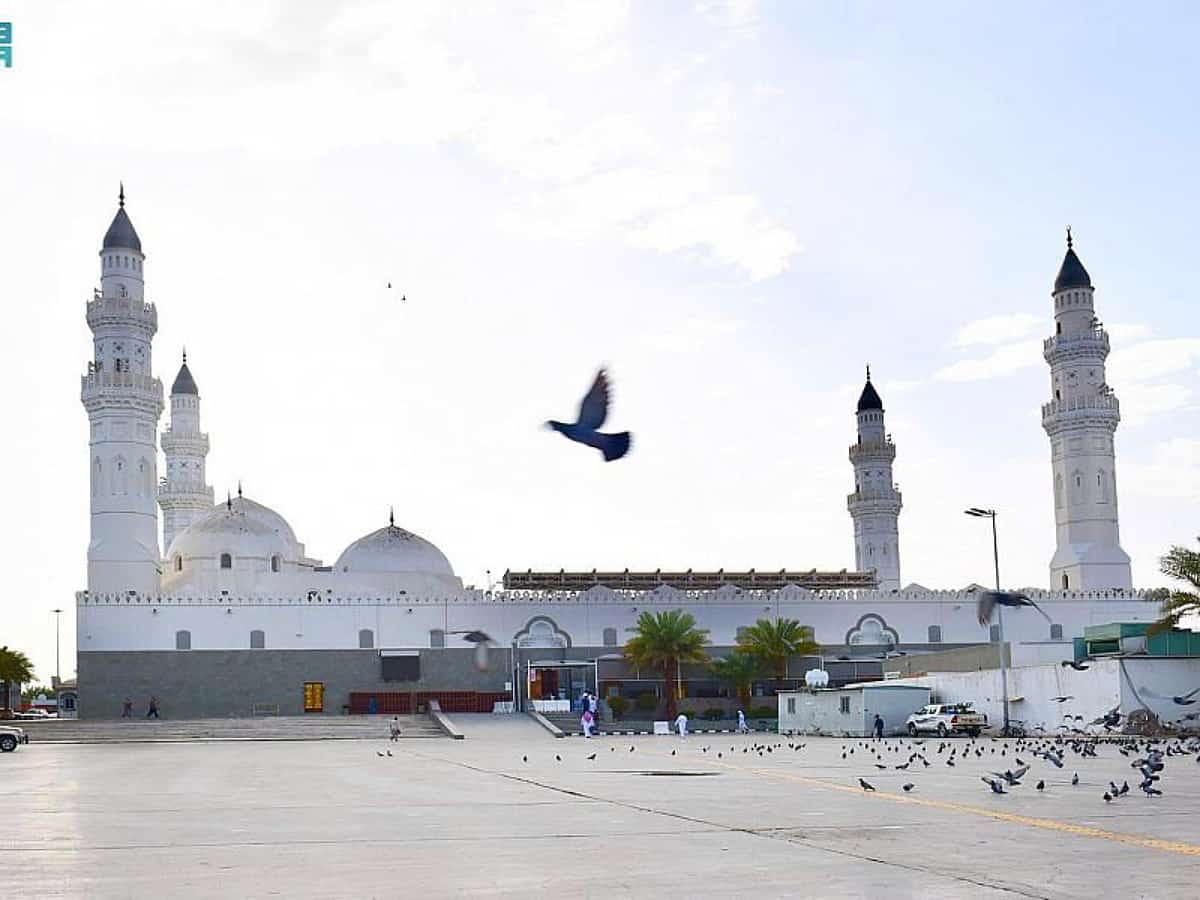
column 183, row 640
column 120, row 478
column 275, row 563
column 1056, row 632
column 610, row 637
column 935, row 634
column 366, row 639
column 258, row 639
column 1066, row 582
column 226, row 561
column 437, row 638
column 1101, row 486
column 178, row 563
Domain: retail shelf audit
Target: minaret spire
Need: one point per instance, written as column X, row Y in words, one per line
column 876, row 502
column 1070, row 243
column 121, row 196
column 391, row 517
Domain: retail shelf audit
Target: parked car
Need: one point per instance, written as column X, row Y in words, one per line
column 945, row 719
column 33, row 714
column 11, row 736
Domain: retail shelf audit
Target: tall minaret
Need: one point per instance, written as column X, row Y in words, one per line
column 123, row 401
column 1081, row 420
column 875, row 503
column 183, row 495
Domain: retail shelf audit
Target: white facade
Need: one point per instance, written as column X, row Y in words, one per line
column 1081, row 420
column 875, row 504
column 1128, row 683
column 850, row 711
column 123, row 400
column 234, row 575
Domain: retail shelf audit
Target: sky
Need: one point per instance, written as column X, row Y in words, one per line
column 733, row 206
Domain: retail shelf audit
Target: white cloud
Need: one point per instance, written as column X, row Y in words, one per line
column 1127, row 332
column 997, row 329
column 694, row 334
column 1002, row 361
column 1172, row 473
column 1152, row 359
column 729, row 13
column 1141, row 402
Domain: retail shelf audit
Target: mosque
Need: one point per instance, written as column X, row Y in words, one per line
column 229, row 615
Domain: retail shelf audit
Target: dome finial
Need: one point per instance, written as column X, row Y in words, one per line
column 229, row 501
column 391, row 517
column 868, row 371
column 121, row 196
column 1070, row 243
column 185, row 355
column 239, row 489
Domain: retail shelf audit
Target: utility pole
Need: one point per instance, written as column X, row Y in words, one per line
column 979, row 513
column 57, row 667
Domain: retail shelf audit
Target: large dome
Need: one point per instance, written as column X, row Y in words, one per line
column 393, row 551
column 241, row 528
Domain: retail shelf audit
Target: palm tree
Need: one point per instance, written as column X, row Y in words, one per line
column 774, row 641
column 665, row 641
column 1181, row 564
column 15, row 668
column 740, row 669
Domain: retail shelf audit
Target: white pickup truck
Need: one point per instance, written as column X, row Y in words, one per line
column 10, row 737
column 945, row 719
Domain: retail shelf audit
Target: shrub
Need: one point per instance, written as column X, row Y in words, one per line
column 714, row 713
column 762, row 712
column 618, row 705
column 647, row 702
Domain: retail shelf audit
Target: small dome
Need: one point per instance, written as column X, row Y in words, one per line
column 1071, row 274
column 869, row 398
column 239, row 527
column 393, row 551
column 121, row 233
column 184, row 383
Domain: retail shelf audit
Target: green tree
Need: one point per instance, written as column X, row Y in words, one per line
column 15, row 668
column 774, row 641
column 1181, row 564
column 665, row 641
column 739, row 669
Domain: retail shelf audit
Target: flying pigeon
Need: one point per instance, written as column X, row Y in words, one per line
column 989, row 600
column 1061, row 699
column 1186, row 699
column 996, row 786
column 1078, row 667
column 592, row 413
column 482, row 640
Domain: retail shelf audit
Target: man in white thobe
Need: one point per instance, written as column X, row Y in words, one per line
column 681, row 725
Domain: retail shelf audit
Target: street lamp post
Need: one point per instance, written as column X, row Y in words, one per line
column 57, row 667
column 979, row 513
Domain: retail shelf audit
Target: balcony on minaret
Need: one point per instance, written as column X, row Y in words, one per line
column 1093, row 343
column 99, row 385
column 1104, row 405
column 873, row 451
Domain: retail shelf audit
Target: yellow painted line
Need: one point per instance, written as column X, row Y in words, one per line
column 1032, row 821
column 1014, row 818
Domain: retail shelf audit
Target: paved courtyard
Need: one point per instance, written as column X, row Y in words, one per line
column 331, row 818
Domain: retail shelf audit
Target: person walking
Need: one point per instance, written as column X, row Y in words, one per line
column 394, row 727
column 878, row 728
column 681, row 726
column 152, row 712
column 743, row 728
column 593, row 706
column 586, row 722
column 127, row 709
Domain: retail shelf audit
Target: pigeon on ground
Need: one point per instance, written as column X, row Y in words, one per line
column 865, row 785
column 996, row 786
column 557, row 758
column 524, row 759
column 593, row 756
column 592, row 413
column 379, row 753
column 1107, row 797
column 1074, row 779
column 880, row 766
column 389, row 753
column 907, row 787
column 1078, row 667
column 1041, row 785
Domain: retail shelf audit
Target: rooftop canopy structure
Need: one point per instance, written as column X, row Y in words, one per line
column 626, row 580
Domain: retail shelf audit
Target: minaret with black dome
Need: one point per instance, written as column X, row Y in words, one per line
column 184, row 494
column 875, row 504
column 1081, row 420
column 123, row 400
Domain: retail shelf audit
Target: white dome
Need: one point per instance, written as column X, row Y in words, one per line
column 393, row 551
column 241, row 528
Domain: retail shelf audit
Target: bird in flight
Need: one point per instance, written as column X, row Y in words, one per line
column 996, row 786
column 1061, row 699
column 592, row 413
column 1187, row 699
column 989, row 600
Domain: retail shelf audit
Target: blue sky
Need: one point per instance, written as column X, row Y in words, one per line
column 735, row 206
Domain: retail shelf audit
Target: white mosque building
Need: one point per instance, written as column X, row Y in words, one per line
column 230, row 615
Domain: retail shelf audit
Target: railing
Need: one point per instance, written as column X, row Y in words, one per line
column 1097, row 336
column 1103, row 403
column 893, row 494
